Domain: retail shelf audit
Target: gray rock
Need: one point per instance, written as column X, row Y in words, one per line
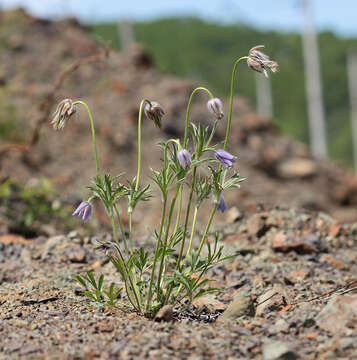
column 240, row 306
column 278, row 350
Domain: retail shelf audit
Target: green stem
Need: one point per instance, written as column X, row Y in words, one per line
column 201, row 245
column 173, row 202
column 189, row 110
column 192, row 231
column 148, row 301
column 207, row 228
column 139, row 141
column 212, row 133
column 184, row 230
column 93, row 133
column 122, row 230
column 178, row 218
column 131, row 243
column 187, row 217
column 115, row 234
column 231, row 100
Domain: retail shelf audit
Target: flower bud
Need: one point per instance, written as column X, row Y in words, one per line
column 215, row 107
column 64, row 111
column 84, row 211
column 184, row 158
column 225, row 158
column 261, row 62
column 154, row 112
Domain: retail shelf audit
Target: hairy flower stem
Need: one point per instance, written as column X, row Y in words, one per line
column 189, row 110
column 136, row 295
column 168, row 293
column 231, row 100
column 122, row 231
column 192, row 231
column 139, row 141
column 148, row 301
column 202, row 240
column 207, row 228
column 161, row 269
column 178, row 218
column 93, row 133
column 212, row 133
column 187, row 217
column 194, row 170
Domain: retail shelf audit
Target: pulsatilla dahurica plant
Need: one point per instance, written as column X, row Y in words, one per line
column 175, row 269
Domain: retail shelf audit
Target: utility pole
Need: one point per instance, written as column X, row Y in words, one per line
column 316, row 114
column 264, row 95
column 352, row 86
column 126, row 34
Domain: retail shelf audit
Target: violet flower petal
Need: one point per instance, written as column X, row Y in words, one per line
column 222, row 206
column 225, row 158
column 184, row 158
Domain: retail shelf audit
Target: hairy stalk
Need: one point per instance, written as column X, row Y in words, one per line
column 164, row 194
column 173, row 202
column 139, row 141
column 178, row 218
column 189, row 110
column 115, row 234
column 93, row 133
column 187, row 217
column 192, row 231
column 148, row 301
column 203, row 237
column 231, row 101
column 207, row 228
column 122, row 231
column 212, row 133
column 184, row 232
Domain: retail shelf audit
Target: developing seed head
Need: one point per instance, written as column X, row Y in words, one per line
column 215, row 107
column 65, row 109
column 154, row 112
column 260, row 62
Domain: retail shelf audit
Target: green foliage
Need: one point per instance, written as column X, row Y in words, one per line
column 95, row 289
column 204, row 51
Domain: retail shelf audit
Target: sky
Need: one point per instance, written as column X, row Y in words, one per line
column 336, row 15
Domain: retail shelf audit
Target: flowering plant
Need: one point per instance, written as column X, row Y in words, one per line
column 176, row 269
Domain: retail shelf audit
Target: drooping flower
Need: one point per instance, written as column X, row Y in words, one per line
column 65, row 109
column 84, row 211
column 215, row 107
column 221, row 206
column 225, row 158
column 154, row 112
column 184, row 158
column 261, row 62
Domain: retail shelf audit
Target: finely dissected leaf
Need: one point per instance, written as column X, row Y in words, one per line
column 100, row 282
column 81, row 281
column 90, row 295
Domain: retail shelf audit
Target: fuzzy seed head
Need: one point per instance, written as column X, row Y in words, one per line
column 154, row 112
column 65, row 109
column 260, row 62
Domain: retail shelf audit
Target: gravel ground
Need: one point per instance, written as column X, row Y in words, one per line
column 288, row 294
